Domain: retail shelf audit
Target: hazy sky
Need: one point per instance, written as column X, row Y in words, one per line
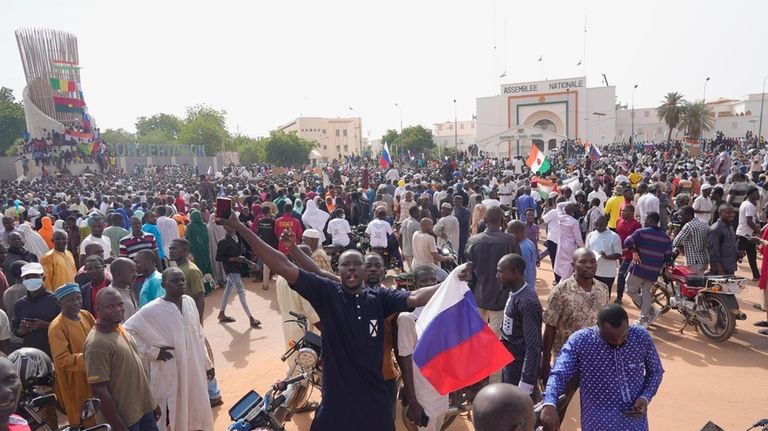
column 267, row 62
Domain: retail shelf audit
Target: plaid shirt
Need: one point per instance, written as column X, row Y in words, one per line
column 693, row 239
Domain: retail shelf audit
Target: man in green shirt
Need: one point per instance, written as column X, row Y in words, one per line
column 115, row 232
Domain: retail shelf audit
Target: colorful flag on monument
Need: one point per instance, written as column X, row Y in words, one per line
column 450, row 333
column 537, row 161
column 65, row 65
column 68, row 104
column 64, row 85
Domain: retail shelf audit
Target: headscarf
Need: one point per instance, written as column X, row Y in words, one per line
column 197, row 235
column 315, row 218
column 33, row 241
column 330, row 204
column 46, row 231
column 126, row 219
column 59, row 225
column 179, row 219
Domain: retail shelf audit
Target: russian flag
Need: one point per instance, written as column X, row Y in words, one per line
column 455, row 347
column 594, row 153
column 385, row 160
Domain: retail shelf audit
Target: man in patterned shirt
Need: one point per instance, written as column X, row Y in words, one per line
column 692, row 239
column 572, row 305
column 619, row 370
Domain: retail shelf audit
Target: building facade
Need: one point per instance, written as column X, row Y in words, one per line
column 458, row 134
column 544, row 113
column 334, row 137
column 733, row 117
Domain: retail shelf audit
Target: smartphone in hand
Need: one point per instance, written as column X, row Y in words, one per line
column 223, row 207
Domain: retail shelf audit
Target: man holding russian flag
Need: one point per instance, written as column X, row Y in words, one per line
column 354, row 394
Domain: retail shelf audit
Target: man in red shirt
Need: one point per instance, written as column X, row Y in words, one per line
column 626, row 225
column 287, row 221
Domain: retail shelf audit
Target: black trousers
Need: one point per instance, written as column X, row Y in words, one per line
column 748, row 246
column 608, row 281
column 552, row 250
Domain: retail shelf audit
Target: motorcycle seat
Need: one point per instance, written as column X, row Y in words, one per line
column 696, row 280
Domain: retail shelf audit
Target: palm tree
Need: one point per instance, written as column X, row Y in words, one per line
column 696, row 115
column 671, row 111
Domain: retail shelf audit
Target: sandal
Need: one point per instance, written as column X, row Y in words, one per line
column 255, row 323
column 762, row 324
column 763, row 332
column 758, row 306
column 226, row 319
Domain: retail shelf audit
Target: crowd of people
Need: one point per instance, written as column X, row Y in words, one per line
column 108, row 276
column 59, row 150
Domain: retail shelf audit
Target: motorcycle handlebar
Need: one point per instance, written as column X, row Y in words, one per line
column 297, row 315
column 284, row 384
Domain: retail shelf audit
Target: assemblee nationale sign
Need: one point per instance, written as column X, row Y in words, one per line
column 543, row 86
column 150, row 150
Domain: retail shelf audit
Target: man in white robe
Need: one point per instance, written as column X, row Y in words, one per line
column 170, row 340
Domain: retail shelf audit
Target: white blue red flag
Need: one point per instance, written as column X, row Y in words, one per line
column 594, row 152
column 385, row 160
column 455, row 347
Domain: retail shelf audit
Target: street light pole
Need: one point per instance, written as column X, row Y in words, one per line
column 762, row 102
column 400, row 108
column 703, row 105
column 632, row 138
column 455, row 125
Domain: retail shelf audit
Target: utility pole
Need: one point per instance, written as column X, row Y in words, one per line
column 632, row 138
column 455, row 125
column 762, row 102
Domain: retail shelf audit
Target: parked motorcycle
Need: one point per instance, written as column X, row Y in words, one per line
column 284, row 398
column 708, row 302
column 90, row 408
column 446, row 250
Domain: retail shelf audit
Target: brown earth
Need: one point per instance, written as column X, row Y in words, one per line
column 722, row 382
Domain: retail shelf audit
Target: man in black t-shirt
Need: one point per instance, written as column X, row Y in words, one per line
column 267, row 234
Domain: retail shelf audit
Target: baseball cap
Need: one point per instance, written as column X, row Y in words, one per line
column 31, row 268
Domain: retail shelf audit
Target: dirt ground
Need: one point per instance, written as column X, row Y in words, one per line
column 704, row 381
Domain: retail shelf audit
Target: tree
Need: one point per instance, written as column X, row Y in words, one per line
column 696, row 115
column 287, row 149
column 251, row 150
column 416, row 139
column 205, row 126
column 12, row 120
column 671, row 111
column 390, row 137
column 118, row 136
column 169, row 125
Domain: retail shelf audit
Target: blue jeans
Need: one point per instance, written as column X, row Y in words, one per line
column 622, row 278
column 146, row 423
column 235, row 282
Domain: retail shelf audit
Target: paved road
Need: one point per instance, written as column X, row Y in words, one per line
column 724, row 382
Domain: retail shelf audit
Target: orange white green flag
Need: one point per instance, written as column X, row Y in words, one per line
column 537, row 161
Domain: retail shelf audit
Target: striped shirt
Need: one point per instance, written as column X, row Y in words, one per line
column 693, row 239
column 654, row 247
column 131, row 245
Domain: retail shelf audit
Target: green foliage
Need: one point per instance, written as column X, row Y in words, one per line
column 251, row 150
column 12, row 120
column 390, row 137
column 671, row 111
column 118, row 136
column 287, row 149
column 206, row 126
column 416, row 139
column 13, row 150
column 169, row 125
column 694, row 114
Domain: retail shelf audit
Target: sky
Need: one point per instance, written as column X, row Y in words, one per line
column 268, row 62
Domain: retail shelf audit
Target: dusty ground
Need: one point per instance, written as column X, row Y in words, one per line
column 725, row 382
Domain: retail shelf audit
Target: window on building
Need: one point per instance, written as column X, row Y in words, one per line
column 323, row 131
column 546, row 125
column 338, row 132
column 346, row 148
column 735, row 125
column 461, row 126
column 325, row 147
column 345, row 132
column 338, row 148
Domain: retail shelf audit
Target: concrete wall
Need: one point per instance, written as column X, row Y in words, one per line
column 10, row 168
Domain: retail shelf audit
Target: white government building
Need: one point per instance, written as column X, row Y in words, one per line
column 547, row 112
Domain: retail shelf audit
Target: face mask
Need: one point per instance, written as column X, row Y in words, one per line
column 33, row 284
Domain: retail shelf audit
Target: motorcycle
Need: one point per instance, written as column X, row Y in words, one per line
column 284, row 398
column 707, row 302
column 90, row 408
column 446, row 250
